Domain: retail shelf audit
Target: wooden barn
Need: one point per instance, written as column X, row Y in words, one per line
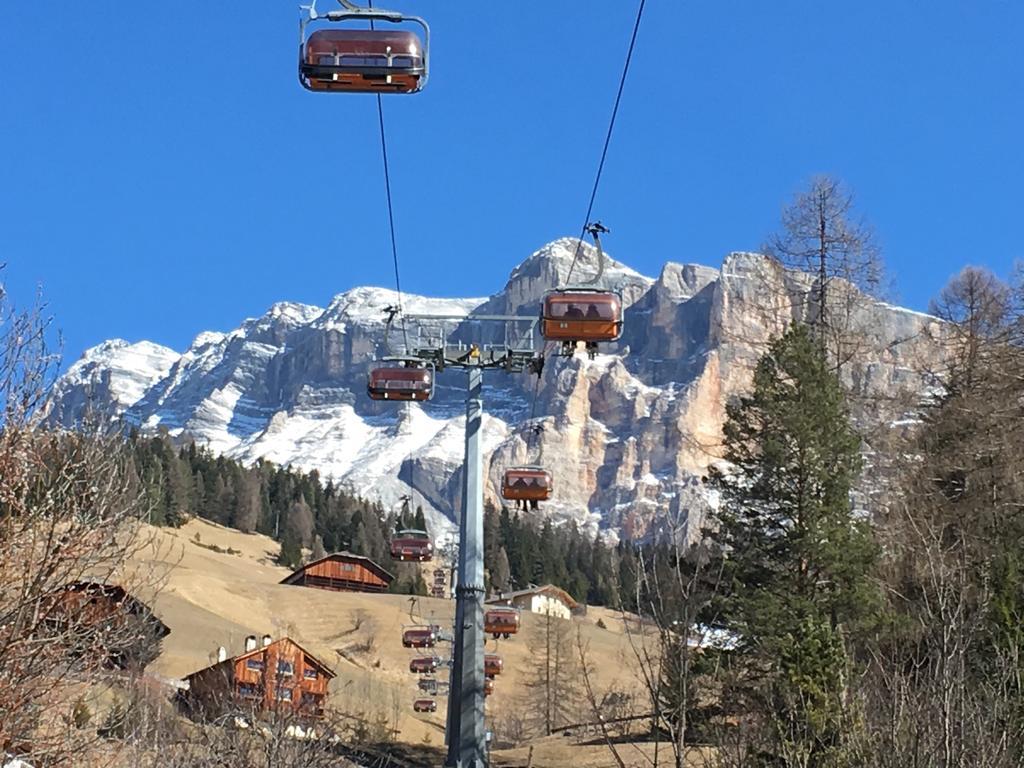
column 275, row 675
column 342, row 572
column 103, row 621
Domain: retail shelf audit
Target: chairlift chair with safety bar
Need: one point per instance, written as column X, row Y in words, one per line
column 573, row 314
column 493, row 665
column 527, row 484
column 424, row 705
column 501, row 621
column 400, row 377
column 362, row 60
column 412, row 545
column 420, row 637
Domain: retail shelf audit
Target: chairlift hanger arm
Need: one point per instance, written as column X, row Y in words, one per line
column 352, row 11
column 595, row 230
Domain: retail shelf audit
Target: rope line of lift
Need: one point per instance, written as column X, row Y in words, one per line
column 391, row 210
column 608, row 137
column 597, row 176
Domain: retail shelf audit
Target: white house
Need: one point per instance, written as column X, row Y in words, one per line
column 542, row 600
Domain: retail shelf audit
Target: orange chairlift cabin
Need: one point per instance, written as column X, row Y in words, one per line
column 420, row 637
column 493, row 665
column 573, row 314
column 424, row 665
column 410, row 380
column 362, row 60
column 424, row 705
column 526, row 486
column 501, row 622
column 412, row 545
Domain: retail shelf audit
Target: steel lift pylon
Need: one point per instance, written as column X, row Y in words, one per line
column 465, row 732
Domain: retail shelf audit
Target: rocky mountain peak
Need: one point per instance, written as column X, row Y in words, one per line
column 111, row 377
column 552, row 267
column 628, row 434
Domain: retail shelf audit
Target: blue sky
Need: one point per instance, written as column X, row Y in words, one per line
column 162, row 172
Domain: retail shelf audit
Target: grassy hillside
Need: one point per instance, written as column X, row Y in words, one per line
column 210, row 598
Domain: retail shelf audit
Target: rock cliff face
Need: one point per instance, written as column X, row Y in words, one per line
column 628, row 434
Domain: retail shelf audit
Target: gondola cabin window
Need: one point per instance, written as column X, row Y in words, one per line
column 526, row 484
column 400, row 383
column 581, row 316
column 363, row 60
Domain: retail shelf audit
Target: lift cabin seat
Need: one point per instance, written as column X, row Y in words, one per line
column 363, row 61
column 424, row 705
column 580, row 315
column 424, row 665
column 501, row 622
column 407, row 547
column 400, row 383
column 493, row 664
column 526, row 484
column 419, row 638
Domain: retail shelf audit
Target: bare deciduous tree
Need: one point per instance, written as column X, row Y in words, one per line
column 68, row 514
column 820, row 235
column 552, row 689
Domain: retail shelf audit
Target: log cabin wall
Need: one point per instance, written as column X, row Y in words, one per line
column 340, row 574
column 280, row 675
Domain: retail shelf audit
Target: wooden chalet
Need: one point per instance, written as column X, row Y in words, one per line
column 275, row 675
column 342, row 572
column 105, row 623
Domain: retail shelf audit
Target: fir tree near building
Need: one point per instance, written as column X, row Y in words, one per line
column 796, row 559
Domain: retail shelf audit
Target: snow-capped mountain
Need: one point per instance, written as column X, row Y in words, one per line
column 628, row 434
column 110, row 377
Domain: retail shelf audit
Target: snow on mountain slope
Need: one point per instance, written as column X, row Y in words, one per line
column 115, row 374
column 628, row 434
column 366, row 305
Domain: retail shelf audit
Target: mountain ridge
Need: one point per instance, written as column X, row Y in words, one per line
column 632, row 430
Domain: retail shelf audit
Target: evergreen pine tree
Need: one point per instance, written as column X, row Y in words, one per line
column 291, row 550
column 796, row 559
column 500, row 571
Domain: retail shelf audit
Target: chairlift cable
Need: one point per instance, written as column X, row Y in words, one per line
column 391, row 210
column 600, row 171
column 608, row 137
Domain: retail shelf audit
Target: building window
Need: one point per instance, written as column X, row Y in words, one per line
column 311, row 700
column 347, row 567
column 309, row 673
column 248, row 691
column 284, row 694
column 285, row 669
column 256, row 664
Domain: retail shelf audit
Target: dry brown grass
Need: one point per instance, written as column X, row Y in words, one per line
column 212, row 599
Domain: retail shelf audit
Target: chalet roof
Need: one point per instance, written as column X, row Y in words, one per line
column 347, row 557
column 548, row 589
column 330, row 673
column 119, row 596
